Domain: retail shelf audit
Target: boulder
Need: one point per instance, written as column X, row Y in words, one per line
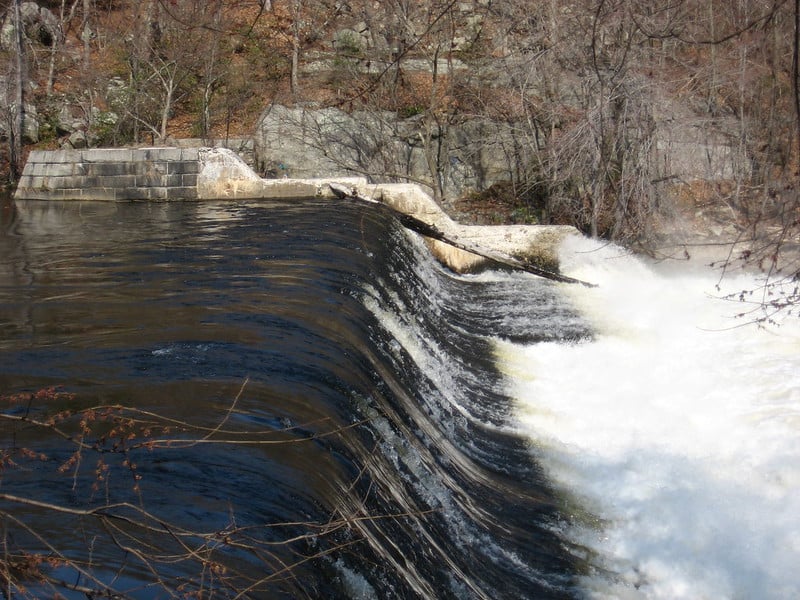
column 308, row 141
column 78, row 140
column 66, row 122
column 39, row 23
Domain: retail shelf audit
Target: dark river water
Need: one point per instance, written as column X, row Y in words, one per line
column 311, row 408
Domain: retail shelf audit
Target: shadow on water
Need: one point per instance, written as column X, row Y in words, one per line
column 310, row 408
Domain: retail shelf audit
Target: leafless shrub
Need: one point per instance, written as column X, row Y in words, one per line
column 108, row 509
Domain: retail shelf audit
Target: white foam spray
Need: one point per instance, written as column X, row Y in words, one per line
column 677, row 430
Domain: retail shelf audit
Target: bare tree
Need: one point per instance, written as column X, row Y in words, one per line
column 57, row 43
column 87, row 34
column 583, row 109
column 297, row 26
column 177, row 46
column 17, row 106
column 407, row 79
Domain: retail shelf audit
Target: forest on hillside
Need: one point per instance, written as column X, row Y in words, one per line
column 611, row 115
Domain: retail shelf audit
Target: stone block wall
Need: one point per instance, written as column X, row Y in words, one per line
column 110, row 174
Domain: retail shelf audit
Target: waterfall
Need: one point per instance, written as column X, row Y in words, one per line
column 431, row 435
column 672, row 433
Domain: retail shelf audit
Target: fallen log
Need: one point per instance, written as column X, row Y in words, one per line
column 430, row 231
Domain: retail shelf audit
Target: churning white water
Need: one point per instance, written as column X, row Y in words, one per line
column 674, row 434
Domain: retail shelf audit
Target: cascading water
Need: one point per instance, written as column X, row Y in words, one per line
column 673, row 432
column 485, row 436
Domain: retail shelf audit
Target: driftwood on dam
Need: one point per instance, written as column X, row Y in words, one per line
column 427, row 230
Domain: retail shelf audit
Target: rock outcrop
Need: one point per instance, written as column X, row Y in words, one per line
column 306, row 142
column 470, row 155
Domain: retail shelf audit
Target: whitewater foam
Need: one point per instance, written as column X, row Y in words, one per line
column 676, row 428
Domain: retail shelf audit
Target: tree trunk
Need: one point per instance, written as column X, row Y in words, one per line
column 51, row 72
column 86, row 35
column 148, row 33
column 295, row 47
column 18, row 106
column 796, row 71
column 433, row 135
column 211, row 76
column 169, row 90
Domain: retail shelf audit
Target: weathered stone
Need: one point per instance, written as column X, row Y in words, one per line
column 39, row 23
column 97, row 193
column 306, row 142
column 151, row 179
column 184, row 167
column 119, row 181
column 87, row 181
column 35, row 168
column 142, row 193
column 67, row 194
column 349, row 42
column 65, row 122
column 109, row 174
column 57, row 169
column 133, row 193
column 28, row 181
column 37, row 156
column 171, row 180
column 30, row 124
column 69, row 156
column 77, row 181
column 182, row 193
column 99, row 155
column 224, row 175
column 190, row 155
column 109, row 169
column 188, row 180
column 158, row 154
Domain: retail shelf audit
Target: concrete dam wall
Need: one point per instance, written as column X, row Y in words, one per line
column 193, row 174
column 122, row 174
column 110, row 174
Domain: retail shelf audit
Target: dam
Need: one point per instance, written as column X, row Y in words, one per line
column 415, row 433
column 163, row 174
